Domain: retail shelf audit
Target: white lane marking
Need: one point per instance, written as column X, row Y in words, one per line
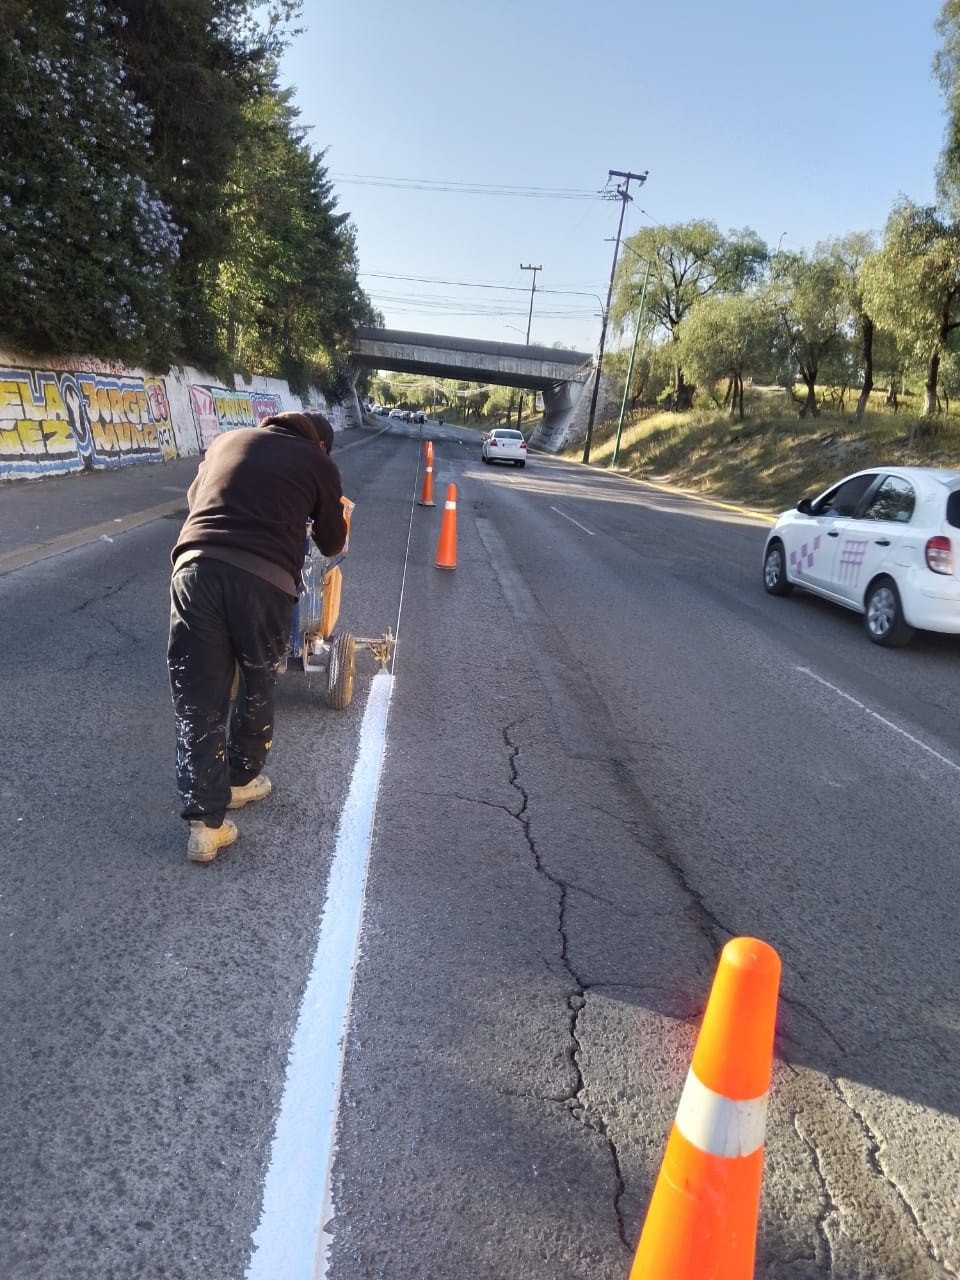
column 290, row 1240
column 876, row 715
column 572, row 521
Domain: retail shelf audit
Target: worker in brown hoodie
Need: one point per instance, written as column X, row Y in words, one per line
column 236, row 576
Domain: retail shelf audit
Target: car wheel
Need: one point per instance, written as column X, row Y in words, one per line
column 883, row 615
column 517, row 462
column 775, row 578
column 523, row 463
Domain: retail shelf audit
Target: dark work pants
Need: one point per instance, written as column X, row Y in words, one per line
column 222, row 617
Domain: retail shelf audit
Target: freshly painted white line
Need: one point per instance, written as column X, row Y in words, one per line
column 876, row 715
column 572, row 521
column 290, row 1241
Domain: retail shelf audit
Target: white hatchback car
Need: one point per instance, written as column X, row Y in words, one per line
column 880, row 542
column 504, row 446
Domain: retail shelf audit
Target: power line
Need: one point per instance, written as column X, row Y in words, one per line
column 468, row 188
column 472, row 284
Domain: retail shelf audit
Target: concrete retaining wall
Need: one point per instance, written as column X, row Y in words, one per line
column 567, row 412
column 81, row 414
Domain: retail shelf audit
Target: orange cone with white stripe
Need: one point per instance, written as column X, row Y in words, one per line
column 426, row 496
column 447, row 545
column 702, row 1220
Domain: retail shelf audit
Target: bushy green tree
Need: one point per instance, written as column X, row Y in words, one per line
column 851, row 252
column 87, row 245
column 912, row 287
column 946, row 65
column 726, row 336
column 286, row 296
column 688, row 261
column 197, row 66
column 807, row 294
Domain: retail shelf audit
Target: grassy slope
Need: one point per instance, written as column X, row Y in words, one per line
column 773, row 457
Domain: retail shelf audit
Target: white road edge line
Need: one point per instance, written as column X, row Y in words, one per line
column 572, row 521
column 291, row 1240
column 876, row 715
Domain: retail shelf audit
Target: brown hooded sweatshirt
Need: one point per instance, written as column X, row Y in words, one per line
column 253, row 495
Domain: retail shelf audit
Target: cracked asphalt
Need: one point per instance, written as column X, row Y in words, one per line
column 605, row 756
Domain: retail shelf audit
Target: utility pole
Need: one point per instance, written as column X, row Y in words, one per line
column 623, row 194
column 533, row 290
column 633, row 356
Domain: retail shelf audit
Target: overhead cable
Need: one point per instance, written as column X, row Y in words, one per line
column 469, row 188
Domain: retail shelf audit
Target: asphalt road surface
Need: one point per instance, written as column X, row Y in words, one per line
column 607, row 752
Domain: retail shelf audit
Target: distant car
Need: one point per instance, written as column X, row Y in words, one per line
column 396, row 413
column 502, row 445
column 881, row 542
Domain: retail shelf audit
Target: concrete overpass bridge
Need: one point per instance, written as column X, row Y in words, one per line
column 562, row 376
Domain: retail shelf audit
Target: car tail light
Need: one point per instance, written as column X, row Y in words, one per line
column 492, row 444
column 523, row 444
column 940, row 555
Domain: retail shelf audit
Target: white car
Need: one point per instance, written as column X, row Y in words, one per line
column 395, row 413
column 504, row 446
column 880, row 542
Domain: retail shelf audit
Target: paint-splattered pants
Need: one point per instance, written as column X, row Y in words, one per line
column 222, row 617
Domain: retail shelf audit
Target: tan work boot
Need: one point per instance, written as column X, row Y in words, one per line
column 256, row 789
column 206, row 842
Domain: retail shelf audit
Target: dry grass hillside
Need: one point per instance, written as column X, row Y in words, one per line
column 773, row 457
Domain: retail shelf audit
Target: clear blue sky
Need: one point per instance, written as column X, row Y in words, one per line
column 808, row 120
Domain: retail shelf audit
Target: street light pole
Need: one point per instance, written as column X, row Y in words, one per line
column 533, row 289
column 633, row 356
column 623, row 192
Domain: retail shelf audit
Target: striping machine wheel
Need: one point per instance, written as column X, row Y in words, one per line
column 343, row 661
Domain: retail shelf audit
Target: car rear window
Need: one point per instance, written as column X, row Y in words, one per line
column 953, row 508
column 509, row 435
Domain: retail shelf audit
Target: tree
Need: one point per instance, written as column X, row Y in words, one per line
column 197, row 66
column 912, row 287
column 87, row 246
column 946, row 66
column 807, row 295
column 287, row 296
column 851, row 252
column 688, row 261
column 724, row 337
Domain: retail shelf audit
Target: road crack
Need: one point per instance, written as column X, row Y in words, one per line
column 823, row 1255
column 104, row 595
column 874, row 1147
column 576, row 999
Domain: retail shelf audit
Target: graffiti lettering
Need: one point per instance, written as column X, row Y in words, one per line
column 217, row 409
column 52, row 421
column 265, row 404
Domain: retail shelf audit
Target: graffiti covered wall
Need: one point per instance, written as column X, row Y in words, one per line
column 55, row 420
column 82, row 414
column 217, row 409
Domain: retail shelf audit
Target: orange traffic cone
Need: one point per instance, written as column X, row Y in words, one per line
column 702, row 1220
column 447, row 545
column 426, row 496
